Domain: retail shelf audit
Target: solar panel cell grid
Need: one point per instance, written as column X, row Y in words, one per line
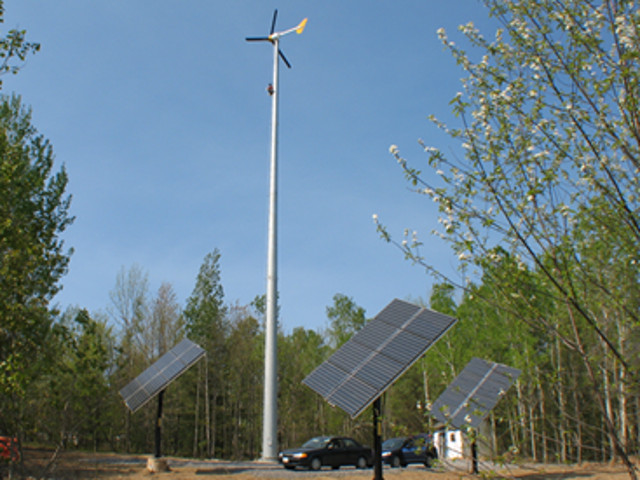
column 397, row 313
column 190, row 356
column 349, row 359
column 156, row 378
column 138, row 399
column 182, row 347
column 324, row 379
column 352, row 396
column 404, row 348
column 473, row 393
column 364, row 367
column 155, row 384
column 378, row 371
column 173, row 370
column 429, row 324
column 374, row 334
column 147, row 375
column 128, row 390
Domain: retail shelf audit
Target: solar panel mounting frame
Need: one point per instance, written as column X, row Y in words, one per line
column 476, row 390
column 377, row 355
column 161, row 373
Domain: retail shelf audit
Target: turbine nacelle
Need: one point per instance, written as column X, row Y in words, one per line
column 275, row 36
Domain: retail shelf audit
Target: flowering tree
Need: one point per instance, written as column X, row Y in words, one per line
column 550, row 127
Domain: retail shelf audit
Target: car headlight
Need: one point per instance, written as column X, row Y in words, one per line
column 386, row 454
column 300, row 455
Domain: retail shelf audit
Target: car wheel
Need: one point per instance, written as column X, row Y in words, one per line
column 361, row 462
column 315, row 464
column 395, row 462
column 427, row 462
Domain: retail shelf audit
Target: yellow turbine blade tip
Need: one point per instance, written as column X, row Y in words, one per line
column 300, row 27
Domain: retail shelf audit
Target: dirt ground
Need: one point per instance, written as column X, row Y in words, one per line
column 75, row 465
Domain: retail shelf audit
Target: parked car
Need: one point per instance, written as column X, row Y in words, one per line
column 334, row 452
column 401, row 451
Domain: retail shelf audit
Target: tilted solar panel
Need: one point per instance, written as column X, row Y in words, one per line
column 473, row 393
column 164, row 371
column 365, row 366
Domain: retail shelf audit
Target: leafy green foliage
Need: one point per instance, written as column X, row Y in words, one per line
column 205, row 306
column 345, row 319
column 14, row 48
column 33, row 215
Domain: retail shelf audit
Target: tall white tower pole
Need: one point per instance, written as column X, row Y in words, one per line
column 270, row 415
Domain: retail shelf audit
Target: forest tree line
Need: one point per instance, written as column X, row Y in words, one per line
column 215, row 409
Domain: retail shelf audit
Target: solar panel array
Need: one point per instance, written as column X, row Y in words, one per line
column 366, row 365
column 473, row 393
column 164, row 371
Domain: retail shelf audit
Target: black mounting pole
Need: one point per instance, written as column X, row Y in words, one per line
column 474, row 456
column 159, row 426
column 377, row 440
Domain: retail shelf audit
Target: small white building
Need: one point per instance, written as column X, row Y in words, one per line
column 455, row 444
column 449, row 443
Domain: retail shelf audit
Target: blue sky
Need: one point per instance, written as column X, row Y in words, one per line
column 159, row 111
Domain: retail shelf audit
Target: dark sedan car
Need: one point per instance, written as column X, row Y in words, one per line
column 401, row 451
column 334, row 452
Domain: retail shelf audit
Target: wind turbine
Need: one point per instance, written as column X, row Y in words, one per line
column 270, row 415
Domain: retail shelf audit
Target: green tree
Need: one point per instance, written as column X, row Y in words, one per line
column 207, row 325
column 14, row 48
column 129, row 310
column 307, row 414
column 205, row 307
column 550, row 129
column 243, row 382
column 345, row 319
column 34, row 212
column 166, row 320
column 83, row 398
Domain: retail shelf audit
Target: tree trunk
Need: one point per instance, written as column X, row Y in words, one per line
column 494, row 436
column 578, row 416
column 214, row 423
column 562, row 405
column 532, row 431
column 427, row 398
column 622, row 393
column 608, row 406
column 543, row 418
column 196, row 414
column 207, row 410
column 521, row 414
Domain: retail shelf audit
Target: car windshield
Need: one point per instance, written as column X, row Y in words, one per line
column 316, row 442
column 392, row 443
